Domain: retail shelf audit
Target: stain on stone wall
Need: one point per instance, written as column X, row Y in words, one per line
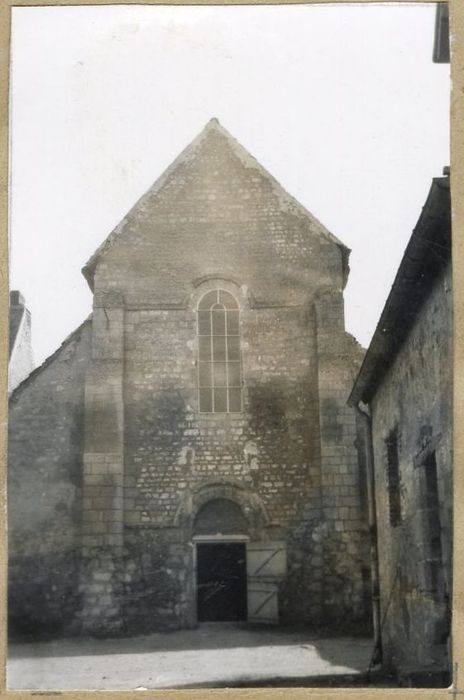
column 44, row 489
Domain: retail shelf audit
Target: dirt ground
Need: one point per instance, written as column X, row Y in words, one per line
column 213, row 655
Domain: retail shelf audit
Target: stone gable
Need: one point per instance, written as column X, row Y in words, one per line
column 217, row 211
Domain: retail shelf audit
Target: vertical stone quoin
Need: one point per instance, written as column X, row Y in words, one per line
column 339, row 357
column 102, row 513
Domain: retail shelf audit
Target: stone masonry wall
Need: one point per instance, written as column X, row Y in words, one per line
column 219, row 214
column 171, row 449
column 102, row 505
column 272, row 449
column 415, row 398
column 343, row 506
column 46, row 423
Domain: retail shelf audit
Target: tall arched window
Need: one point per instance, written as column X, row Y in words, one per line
column 219, row 374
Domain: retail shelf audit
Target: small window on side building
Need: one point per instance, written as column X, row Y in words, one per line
column 393, row 479
column 433, row 524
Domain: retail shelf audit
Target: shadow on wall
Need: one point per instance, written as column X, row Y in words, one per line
column 43, row 597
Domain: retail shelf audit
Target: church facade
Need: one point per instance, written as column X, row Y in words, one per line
column 188, row 453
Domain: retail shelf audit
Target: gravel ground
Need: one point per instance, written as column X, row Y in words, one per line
column 213, row 655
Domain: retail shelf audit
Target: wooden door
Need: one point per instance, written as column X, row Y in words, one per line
column 266, row 567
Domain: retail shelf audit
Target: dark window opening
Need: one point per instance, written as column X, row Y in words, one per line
column 433, row 525
column 393, row 479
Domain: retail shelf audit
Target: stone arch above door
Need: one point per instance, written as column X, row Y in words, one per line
column 220, row 516
column 251, row 506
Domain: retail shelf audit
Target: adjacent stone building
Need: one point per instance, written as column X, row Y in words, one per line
column 188, row 453
column 404, row 389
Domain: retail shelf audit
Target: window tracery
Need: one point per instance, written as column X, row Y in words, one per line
column 219, row 370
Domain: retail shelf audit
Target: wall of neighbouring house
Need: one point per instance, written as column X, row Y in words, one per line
column 415, row 398
column 44, row 490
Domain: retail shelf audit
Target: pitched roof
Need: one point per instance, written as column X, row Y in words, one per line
column 427, row 254
column 189, row 154
column 75, row 335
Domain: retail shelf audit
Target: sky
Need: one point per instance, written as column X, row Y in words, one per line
column 342, row 104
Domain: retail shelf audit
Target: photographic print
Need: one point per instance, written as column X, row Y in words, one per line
column 230, row 369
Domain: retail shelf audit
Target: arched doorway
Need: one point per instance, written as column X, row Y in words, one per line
column 220, row 533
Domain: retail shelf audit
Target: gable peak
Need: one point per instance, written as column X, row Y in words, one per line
column 228, row 142
column 213, row 126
